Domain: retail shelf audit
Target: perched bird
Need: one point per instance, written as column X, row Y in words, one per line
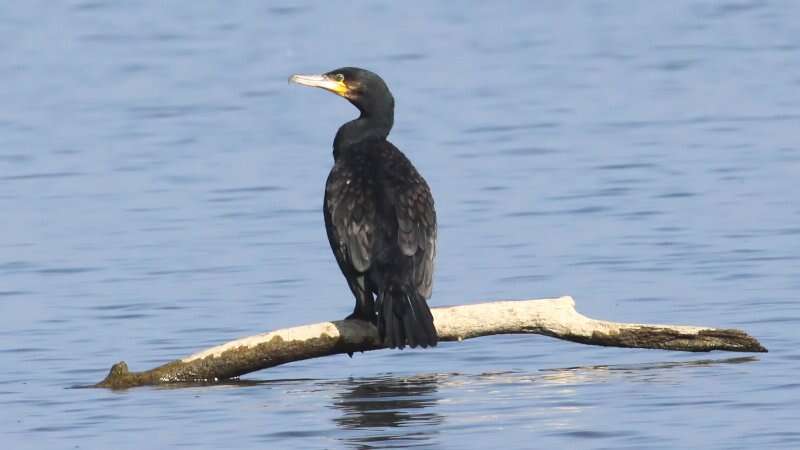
column 379, row 214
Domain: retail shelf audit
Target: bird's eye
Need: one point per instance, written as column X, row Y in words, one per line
column 338, row 77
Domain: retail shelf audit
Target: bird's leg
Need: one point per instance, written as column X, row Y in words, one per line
column 364, row 310
column 355, row 316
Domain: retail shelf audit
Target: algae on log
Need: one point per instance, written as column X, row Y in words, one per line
column 551, row 317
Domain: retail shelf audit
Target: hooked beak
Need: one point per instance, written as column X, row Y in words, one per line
column 320, row 81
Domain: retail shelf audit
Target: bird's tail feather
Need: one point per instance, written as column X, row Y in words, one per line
column 404, row 318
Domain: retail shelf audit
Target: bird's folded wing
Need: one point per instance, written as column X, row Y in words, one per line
column 350, row 218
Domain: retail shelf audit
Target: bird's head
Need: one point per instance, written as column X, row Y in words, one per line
column 364, row 89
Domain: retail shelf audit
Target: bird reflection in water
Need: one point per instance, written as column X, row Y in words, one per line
column 388, row 411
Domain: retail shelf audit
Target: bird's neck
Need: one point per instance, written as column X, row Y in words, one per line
column 365, row 127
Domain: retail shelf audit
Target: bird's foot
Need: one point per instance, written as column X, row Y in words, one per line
column 358, row 316
column 362, row 317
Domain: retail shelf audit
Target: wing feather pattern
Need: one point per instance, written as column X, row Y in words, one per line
column 366, row 186
column 416, row 216
column 350, row 222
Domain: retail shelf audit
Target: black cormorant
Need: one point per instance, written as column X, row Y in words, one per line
column 379, row 214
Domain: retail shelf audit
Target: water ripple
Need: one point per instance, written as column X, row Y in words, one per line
column 38, row 176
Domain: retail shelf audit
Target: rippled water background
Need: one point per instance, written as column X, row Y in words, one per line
column 161, row 186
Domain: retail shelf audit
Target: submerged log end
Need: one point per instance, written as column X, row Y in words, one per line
column 732, row 340
column 118, row 377
column 705, row 340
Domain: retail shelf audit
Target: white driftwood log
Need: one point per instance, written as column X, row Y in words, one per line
column 551, row 317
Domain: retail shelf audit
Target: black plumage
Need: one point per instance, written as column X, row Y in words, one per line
column 379, row 214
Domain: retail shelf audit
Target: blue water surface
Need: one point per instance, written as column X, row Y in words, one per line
column 161, row 188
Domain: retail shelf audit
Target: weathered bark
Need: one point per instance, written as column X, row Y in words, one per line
column 551, row 317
